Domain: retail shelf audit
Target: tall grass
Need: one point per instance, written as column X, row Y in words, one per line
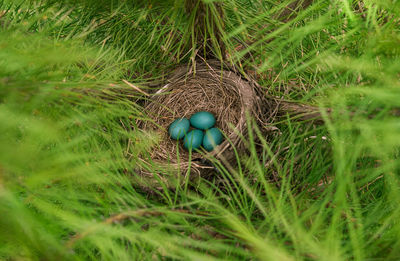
column 303, row 192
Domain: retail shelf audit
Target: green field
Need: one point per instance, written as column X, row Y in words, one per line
column 301, row 191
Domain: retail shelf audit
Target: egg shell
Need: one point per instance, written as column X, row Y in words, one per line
column 178, row 128
column 193, row 139
column 212, row 138
column 202, row 120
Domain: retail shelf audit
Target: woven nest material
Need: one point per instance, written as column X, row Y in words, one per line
column 207, row 88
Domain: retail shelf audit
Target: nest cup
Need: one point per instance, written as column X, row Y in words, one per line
column 207, row 88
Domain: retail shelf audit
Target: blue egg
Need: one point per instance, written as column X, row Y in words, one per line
column 212, row 138
column 202, row 120
column 193, row 139
column 178, row 129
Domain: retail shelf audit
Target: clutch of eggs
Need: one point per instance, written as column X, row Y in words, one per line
column 203, row 133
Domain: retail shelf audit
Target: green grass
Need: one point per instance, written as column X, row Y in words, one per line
column 308, row 192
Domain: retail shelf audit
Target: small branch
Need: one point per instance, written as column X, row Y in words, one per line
column 301, row 111
column 123, row 216
column 136, row 88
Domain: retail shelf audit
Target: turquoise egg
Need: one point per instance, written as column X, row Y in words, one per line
column 193, row 139
column 178, row 129
column 212, row 139
column 202, row 120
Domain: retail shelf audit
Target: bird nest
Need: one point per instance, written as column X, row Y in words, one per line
column 207, row 88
